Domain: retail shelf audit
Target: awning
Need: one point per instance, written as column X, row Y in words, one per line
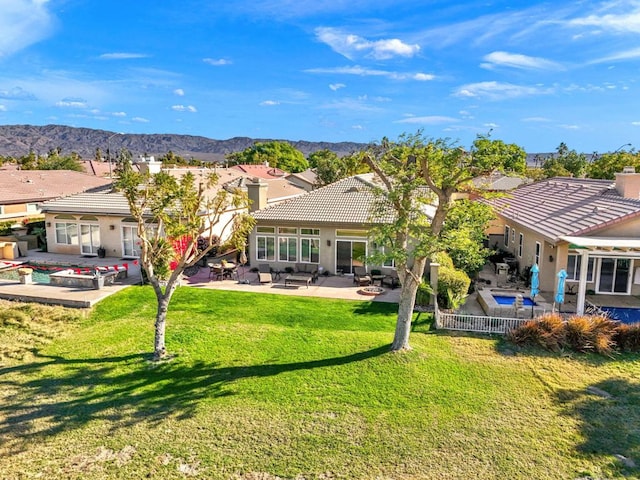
column 603, row 244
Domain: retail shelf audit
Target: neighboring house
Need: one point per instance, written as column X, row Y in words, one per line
column 305, row 180
column 22, row 191
column 260, row 171
column 498, row 182
column 278, row 189
column 570, row 223
column 326, row 228
column 82, row 224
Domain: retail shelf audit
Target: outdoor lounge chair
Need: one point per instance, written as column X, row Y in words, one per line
column 361, row 277
column 264, row 273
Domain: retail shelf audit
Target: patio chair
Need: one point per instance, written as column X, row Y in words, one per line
column 216, row 272
column 361, row 277
column 264, row 273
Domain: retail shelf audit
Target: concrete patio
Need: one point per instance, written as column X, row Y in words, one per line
column 341, row 287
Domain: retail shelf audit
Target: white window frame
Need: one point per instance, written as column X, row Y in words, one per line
column 65, row 226
column 537, row 254
column 309, row 257
column 576, row 259
column 265, row 249
column 520, row 244
column 290, row 241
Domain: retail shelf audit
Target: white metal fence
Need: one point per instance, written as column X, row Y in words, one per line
column 476, row 323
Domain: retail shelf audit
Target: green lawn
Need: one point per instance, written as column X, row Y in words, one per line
column 267, row 386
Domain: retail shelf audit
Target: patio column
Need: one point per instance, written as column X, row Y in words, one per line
column 582, row 282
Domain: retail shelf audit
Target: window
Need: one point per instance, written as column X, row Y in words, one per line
column 536, row 259
column 351, row 233
column 573, row 268
column 513, row 235
column 32, row 208
column 287, row 249
column 506, row 235
column 310, row 250
column 67, row 233
column 265, row 248
column 288, row 230
column 266, row 229
column 310, row 231
column 520, row 245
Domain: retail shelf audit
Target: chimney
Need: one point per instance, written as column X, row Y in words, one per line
column 257, row 192
column 628, row 183
column 148, row 165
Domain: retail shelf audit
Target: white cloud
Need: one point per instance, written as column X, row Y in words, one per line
column 216, row 62
column 184, row 108
column 569, row 127
column 72, row 103
column 515, row 60
column 269, row 103
column 490, row 125
column 122, row 56
column 497, row 90
column 336, row 86
column 23, row 23
column 357, row 127
column 16, row 93
column 3, row 108
column 119, row 114
column 536, row 119
column 179, row 92
column 370, row 72
column 350, row 46
column 635, row 124
column 428, row 120
column 627, row 22
column 139, row 120
column 623, row 55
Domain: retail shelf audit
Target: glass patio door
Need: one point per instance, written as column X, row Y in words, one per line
column 89, row 238
column 614, row 276
column 130, row 241
column 349, row 254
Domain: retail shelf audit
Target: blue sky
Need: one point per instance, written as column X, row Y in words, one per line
column 531, row 73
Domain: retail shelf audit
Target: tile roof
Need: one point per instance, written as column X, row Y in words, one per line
column 498, row 181
column 108, row 203
column 309, row 176
column 279, row 188
column 566, row 206
column 21, row 186
column 346, row 201
column 262, row 171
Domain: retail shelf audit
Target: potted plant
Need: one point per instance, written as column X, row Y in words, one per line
column 102, row 252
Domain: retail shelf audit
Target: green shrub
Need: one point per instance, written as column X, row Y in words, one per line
column 453, row 286
column 443, row 259
column 423, row 295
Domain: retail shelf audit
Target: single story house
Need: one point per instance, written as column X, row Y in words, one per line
column 590, row 228
column 327, row 228
column 22, row 191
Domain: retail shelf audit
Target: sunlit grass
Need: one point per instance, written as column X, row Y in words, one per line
column 267, row 386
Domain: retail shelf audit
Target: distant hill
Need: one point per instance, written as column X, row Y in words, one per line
column 18, row 140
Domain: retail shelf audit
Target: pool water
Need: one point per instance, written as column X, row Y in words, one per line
column 623, row 314
column 40, row 272
column 510, row 300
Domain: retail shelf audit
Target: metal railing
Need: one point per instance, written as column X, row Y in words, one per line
column 476, row 323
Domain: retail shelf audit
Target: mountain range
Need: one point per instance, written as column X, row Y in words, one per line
column 19, row 140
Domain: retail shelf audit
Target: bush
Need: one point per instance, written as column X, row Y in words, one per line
column 423, row 295
column 443, row 259
column 627, row 337
column 453, row 285
column 597, row 334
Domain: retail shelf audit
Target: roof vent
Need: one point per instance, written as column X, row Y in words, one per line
column 353, row 189
column 629, row 169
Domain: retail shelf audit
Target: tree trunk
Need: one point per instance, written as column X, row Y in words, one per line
column 410, row 284
column 160, row 350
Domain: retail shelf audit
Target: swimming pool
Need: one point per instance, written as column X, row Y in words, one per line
column 510, row 300
column 622, row 314
column 41, row 272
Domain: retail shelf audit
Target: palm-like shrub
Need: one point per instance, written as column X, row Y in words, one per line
column 627, row 337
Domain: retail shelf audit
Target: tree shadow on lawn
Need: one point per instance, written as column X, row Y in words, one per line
column 54, row 394
column 608, row 414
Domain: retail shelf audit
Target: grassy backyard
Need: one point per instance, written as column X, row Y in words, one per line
column 267, row 386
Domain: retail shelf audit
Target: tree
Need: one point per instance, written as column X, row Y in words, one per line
column 174, row 216
column 418, row 175
column 606, row 166
column 510, row 157
column 279, row 155
column 330, row 168
column 565, row 163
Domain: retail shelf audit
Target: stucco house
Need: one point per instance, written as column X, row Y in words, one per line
column 326, row 229
column 589, row 228
column 101, row 223
column 22, row 191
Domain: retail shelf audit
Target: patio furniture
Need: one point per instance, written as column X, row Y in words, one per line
column 392, row 280
column 298, row 280
column 264, row 273
column 361, row 277
column 216, row 271
column 230, row 271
